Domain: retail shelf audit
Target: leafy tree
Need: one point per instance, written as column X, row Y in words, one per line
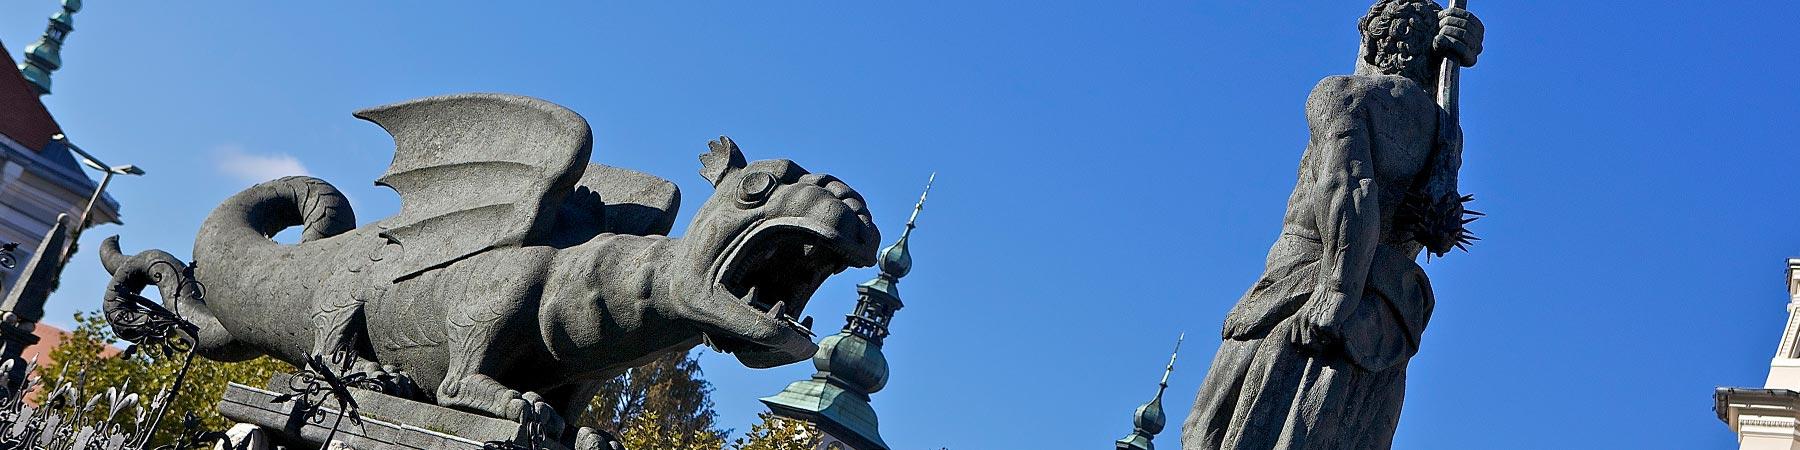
column 665, row 404
column 776, row 433
column 667, row 392
column 773, row 433
column 79, row 357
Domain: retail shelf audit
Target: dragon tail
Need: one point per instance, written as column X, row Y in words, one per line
column 137, row 320
column 244, row 221
column 251, row 217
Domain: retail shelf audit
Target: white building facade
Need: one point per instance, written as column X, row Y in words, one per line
column 1766, row 418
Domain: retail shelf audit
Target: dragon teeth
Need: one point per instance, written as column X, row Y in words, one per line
column 801, row 327
column 707, row 339
column 774, row 312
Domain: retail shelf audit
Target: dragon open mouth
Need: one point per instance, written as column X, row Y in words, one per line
column 775, row 270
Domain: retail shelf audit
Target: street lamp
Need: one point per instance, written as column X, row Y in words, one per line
column 91, row 161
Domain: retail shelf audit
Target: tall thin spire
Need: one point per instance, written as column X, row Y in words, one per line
column 45, row 55
column 850, row 363
column 1164, row 384
column 881, row 296
column 912, row 220
column 1148, row 419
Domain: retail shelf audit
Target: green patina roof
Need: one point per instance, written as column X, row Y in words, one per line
column 45, row 53
column 44, row 56
column 821, row 401
column 1135, row 441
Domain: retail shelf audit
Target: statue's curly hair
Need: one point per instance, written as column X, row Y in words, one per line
column 1397, row 36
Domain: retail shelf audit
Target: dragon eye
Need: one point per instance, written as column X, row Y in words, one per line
column 755, row 187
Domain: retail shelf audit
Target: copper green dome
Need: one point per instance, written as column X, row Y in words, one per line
column 1150, row 417
column 45, row 55
column 895, row 259
column 1148, row 420
column 854, row 361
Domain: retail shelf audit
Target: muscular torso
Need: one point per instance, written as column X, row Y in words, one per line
column 1401, row 120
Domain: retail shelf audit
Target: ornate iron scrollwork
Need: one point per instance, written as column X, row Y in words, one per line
column 7, row 259
column 319, row 381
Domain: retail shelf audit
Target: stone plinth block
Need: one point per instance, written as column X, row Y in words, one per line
column 388, row 422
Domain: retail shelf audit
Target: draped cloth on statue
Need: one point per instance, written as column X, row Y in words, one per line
column 1346, row 397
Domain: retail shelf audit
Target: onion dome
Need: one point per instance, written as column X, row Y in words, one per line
column 1149, row 420
column 45, row 55
column 853, row 361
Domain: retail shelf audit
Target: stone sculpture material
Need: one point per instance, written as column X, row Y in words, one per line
column 1314, row 355
column 516, row 276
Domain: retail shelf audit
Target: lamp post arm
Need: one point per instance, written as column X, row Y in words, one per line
column 81, row 224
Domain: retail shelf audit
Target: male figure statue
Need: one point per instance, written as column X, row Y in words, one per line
column 1314, row 355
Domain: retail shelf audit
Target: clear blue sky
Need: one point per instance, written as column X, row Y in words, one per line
column 1110, row 175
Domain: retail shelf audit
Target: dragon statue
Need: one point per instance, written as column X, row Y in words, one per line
column 516, row 276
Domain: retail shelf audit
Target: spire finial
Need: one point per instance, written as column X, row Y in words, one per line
column 1149, row 419
column 45, row 55
column 896, row 260
column 1164, row 384
column 1170, row 364
column 914, row 218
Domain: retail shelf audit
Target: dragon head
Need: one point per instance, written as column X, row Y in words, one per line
column 759, row 247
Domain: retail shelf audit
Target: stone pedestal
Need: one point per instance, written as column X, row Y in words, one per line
column 388, row 422
column 243, row 436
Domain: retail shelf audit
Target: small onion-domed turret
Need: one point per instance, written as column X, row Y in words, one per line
column 850, row 364
column 45, row 55
column 1149, row 420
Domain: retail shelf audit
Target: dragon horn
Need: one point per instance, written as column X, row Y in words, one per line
column 110, row 256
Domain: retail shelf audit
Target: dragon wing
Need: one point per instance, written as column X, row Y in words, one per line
column 476, row 172
column 613, row 200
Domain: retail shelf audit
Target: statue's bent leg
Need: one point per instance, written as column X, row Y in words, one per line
column 484, row 394
column 478, row 349
column 1268, row 394
column 1219, row 395
column 340, row 327
column 1374, row 412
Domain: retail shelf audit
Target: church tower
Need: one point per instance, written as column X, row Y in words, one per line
column 42, row 187
column 850, row 364
column 1149, row 419
column 1764, row 418
column 45, row 55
